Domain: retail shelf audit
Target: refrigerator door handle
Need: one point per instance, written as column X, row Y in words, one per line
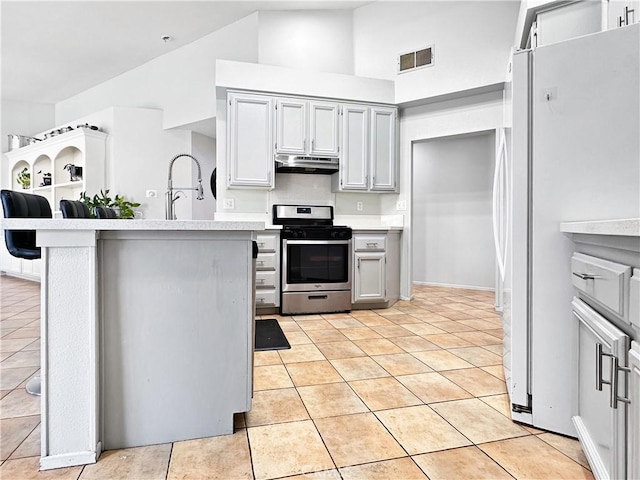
column 500, row 210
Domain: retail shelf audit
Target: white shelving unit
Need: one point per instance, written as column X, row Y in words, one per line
column 81, row 147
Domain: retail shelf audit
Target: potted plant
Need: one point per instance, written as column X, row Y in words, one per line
column 24, row 178
column 123, row 207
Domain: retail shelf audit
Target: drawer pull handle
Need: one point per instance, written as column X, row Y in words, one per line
column 261, row 244
column 317, row 297
column 260, row 300
column 372, row 244
column 587, row 276
column 260, row 262
column 260, row 281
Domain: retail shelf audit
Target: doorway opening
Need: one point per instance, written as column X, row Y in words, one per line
column 452, row 236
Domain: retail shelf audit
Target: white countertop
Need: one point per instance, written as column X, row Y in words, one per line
column 149, row 225
column 627, row 227
column 356, row 222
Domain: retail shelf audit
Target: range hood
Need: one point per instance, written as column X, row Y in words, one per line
column 314, row 165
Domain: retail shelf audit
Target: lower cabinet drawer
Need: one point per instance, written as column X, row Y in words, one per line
column 602, row 280
column 265, row 279
column 266, row 261
column 266, row 298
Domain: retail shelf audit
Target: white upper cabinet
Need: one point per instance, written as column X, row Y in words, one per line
column 354, row 168
column 291, row 126
column 250, row 143
column 323, row 129
column 369, row 149
column 307, row 127
column 383, row 149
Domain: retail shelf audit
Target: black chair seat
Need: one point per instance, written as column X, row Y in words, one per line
column 74, row 209
column 105, row 212
column 22, row 243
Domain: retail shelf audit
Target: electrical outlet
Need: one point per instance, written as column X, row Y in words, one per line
column 401, row 205
column 152, row 193
column 229, row 204
column 359, row 206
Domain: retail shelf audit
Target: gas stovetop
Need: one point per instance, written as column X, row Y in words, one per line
column 312, row 222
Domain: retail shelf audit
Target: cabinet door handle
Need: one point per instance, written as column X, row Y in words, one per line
column 358, row 264
column 599, row 380
column 313, row 144
column 587, row 276
column 615, row 369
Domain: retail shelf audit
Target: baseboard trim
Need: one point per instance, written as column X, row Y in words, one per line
column 68, row 460
column 451, row 285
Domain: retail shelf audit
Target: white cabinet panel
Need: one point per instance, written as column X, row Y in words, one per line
column 250, row 127
column 291, row 126
column 307, row 127
column 369, row 149
column 600, row 279
column 323, row 129
column 383, row 148
column 355, row 152
column 268, row 270
column 370, row 277
column 600, row 419
column 369, row 242
column 633, row 439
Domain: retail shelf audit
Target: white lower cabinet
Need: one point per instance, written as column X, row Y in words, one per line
column 633, row 439
column 601, row 401
column 268, row 270
column 376, row 268
column 370, row 277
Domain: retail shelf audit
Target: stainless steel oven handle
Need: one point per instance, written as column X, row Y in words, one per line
column 315, row 242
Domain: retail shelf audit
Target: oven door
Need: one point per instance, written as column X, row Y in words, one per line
column 316, row 265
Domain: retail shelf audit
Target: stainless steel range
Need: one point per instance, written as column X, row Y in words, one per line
column 316, row 260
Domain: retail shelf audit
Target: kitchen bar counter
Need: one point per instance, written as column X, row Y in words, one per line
column 147, row 332
column 148, row 225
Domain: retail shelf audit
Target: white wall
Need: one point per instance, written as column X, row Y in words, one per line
column 204, row 149
column 463, row 115
column 452, row 217
column 317, row 40
column 181, row 83
column 138, row 155
column 472, row 41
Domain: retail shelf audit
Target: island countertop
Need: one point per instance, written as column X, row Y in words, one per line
column 140, row 225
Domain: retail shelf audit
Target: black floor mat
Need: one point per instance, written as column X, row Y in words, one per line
column 269, row 336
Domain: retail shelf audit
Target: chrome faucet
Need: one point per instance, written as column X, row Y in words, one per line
column 171, row 197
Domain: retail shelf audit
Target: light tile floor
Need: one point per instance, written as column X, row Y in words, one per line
column 410, row 392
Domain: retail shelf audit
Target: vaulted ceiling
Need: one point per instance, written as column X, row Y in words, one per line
column 56, row 49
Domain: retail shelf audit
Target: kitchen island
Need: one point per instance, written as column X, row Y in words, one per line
column 147, row 332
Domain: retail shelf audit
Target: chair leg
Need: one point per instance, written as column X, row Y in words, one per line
column 33, row 386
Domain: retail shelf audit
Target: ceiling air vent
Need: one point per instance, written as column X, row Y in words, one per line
column 417, row 59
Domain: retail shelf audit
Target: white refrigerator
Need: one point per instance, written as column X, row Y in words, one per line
column 573, row 154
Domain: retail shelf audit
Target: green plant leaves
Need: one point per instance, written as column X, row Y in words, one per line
column 123, row 207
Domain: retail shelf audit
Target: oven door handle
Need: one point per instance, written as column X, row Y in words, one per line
column 286, row 241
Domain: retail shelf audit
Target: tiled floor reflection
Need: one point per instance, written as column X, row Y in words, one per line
column 411, row 392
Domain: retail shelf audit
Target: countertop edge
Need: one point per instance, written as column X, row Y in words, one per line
column 139, row 225
column 627, row 227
